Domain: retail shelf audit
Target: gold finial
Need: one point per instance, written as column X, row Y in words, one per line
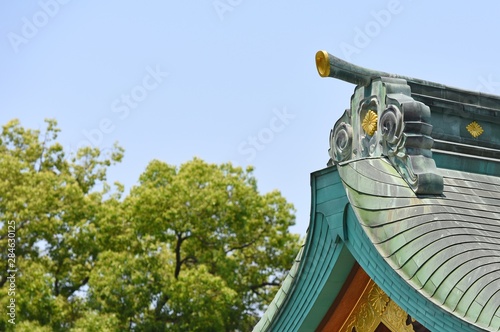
column 370, row 123
column 322, row 63
column 475, row 129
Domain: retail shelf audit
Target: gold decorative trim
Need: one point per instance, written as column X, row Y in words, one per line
column 375, row 307
column 370, row 123
column 475, row 129
column 395, row 318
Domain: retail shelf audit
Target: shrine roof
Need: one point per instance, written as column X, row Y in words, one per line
column 412, row 194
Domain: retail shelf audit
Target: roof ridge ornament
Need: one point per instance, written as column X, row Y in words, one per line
column 384, row 120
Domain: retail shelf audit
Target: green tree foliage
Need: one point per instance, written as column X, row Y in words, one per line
column 190, row 248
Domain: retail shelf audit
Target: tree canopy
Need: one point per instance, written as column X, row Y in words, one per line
column 189, row 248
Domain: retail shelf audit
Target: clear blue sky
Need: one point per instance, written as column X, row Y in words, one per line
column 228, row 80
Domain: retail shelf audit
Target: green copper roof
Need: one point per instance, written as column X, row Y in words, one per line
column 446, row 247
column 285, row 289
column 336, row 239
column 322, row 265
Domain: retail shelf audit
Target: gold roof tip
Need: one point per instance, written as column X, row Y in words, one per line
column 322, row 63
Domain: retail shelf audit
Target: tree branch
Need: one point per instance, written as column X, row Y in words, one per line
column 190, row 258
column 177, row 250
column 68, row 291
column 56, row 287
column 246, row 245
column 159, row 306
column 243, row 246
column 264, row 284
